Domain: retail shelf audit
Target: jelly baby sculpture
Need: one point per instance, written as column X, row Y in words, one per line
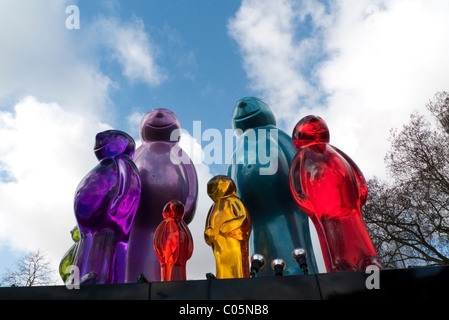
column 106, row 201
column 259, row 167
column 331, row 189
column 173, row 242
column 67, row 261
column 228, row 228
column 163, row 178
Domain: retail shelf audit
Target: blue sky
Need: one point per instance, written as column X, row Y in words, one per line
column 362, row 65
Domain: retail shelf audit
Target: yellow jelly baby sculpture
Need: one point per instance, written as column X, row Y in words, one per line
column 228, row 227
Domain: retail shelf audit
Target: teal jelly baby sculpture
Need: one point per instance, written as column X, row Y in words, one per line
column 106, row 201
column 166, row 173
column 329, row 186
column 259, row 167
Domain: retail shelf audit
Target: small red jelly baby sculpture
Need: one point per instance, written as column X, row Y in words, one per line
column 331, row 189
column 228, row 228
column 173, row 242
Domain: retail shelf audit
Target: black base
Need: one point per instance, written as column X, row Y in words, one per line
column 425, row 283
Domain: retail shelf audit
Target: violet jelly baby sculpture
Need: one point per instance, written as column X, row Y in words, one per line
column 166, row 173
column 228, row 228
column 173, row 242
column 106, row 201
column 331, row 189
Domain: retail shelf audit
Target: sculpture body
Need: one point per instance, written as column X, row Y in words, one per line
column 259, row 168
column 163, row 180
column 331, row 189
column 68, row 260
column 173, row 242
column 105, row 205
column 228, row 227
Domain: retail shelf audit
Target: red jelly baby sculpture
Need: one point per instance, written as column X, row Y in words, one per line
column 228, row 228
column 331, row 189
column 173, row 242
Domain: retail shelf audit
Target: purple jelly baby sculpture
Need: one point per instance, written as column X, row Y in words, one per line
column 166, row 173
column 106, row 202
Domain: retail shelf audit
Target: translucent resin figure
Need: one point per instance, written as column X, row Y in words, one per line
column 259, row 167
column 228, row 228
column 68, row 259
column 173, row 242
column 331, row 189
column 163, row 179
column 106, row 201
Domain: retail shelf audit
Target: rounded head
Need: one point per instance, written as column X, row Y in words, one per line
column 308, row 130
column 258, row 258
column 173, row 209
column 220, row 186
column 277, row 262
column 111, row 143
column 158, row 125
column 250, row 113
column 75, row 232
column 299, row 252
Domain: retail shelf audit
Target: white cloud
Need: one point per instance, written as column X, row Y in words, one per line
column 132, row 48
column 389, row 60
column 40, row 57
column 46, row 151
column 381, row 61
column 202, row 260
column 52, row 95
column 273, row 58
column 48, row 84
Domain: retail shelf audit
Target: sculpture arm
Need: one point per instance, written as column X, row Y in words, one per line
column 188, row 235
column 301, row 199
column 124, row 172
column 209, row 232
column 240, row 215
column 361, row 182
column 166, row 246
column 91, row 194
column 192, row 192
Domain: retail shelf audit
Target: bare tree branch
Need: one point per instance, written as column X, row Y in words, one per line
column 32, row 269
column 408, row 217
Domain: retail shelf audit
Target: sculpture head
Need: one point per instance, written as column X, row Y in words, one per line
column 220, row 186
column 310, row 129
column 250, row 113
column 111, row 143
column 173, row 209
column 75, row 232
column 158, row 125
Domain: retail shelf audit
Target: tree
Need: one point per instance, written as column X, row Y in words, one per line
column 408, row 217
column 33, row 269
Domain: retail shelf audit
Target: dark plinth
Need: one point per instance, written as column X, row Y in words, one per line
column 427, row 283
